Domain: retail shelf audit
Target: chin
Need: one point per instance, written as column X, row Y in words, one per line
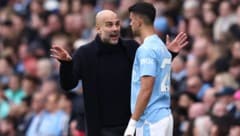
column 114, row 42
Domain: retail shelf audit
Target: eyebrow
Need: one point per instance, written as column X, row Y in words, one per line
column 108, row 22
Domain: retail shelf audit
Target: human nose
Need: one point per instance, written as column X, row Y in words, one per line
column 116, row 27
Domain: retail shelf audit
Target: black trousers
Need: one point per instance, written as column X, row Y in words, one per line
column 113, row 131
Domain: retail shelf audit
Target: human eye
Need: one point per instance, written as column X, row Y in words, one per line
column 109, row 24
column 118, row 23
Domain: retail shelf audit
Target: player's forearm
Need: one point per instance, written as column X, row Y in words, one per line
column 141, row 104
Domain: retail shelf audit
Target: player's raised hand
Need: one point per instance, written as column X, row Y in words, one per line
column 178, row 43
column 60, row 53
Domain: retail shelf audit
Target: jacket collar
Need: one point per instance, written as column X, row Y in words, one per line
column 106, row 48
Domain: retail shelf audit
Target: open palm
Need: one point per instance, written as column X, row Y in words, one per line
column 60, row 53
column 178, row 43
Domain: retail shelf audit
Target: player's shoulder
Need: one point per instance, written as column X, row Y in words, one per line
column 146, row 51
column 146, row 47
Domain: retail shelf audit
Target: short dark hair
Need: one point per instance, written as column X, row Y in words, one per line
column 145, row 9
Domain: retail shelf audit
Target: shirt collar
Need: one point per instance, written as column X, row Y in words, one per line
column 150, row 37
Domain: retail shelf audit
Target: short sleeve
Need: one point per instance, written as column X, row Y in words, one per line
column 148, row 62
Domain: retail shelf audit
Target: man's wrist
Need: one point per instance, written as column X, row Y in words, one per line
column 132, row 122
column 69, row 58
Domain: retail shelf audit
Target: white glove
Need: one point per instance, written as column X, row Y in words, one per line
column 130, row 130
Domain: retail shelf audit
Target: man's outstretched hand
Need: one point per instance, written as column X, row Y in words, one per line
column 60, row 53
column 178, row 43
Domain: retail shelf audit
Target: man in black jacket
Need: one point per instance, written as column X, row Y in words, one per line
column 104, row 66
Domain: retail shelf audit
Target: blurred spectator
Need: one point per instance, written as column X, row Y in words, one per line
column 110, row 4
column 234, row 69
column 37, row 107
column 24, row 116
column 182, row 25
column 76, row 6
column 224, row 21
column 224, row 79
column 194, row 84
column 6, row 30
column 68, row 28
column 54, row 23
column 179, row 72
column 30, row 84
column 235, row 126
column 209, row 98
column 63, row 41
column 4, row 105
column 78, row 25
column 225, row 95
column 209, row 13
column 53, row 121
column 30, row 65
column 184, row 101
column 36, row 7
column 235, row 111
column 21, row 31
column 234, row 130
column 208, row 72
column 219, row 116
column 178, row 68
column 196, row 110
column 65, row 104
column 235, row 28
column 44, row 68
column 222, row 63
column 14, row 93
column 6, row 70
column 64, row 7
column 213, row 53
column 235, row 50
column 199, row 49
column 202, row 126
column 49, row 86
column 192, row 67
column 77, row 121
column 191, row 8
column 196, row 27
column 8, row 127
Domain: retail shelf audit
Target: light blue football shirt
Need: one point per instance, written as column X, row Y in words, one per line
column 152, row 59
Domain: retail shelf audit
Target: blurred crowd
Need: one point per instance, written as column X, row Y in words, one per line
column 205, row 75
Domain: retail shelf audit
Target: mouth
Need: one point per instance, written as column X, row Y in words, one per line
column 114, row 36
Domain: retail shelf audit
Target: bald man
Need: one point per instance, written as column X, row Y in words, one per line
column 104, row 66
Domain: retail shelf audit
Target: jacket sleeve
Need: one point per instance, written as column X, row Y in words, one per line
column 70, row 72
column 174, row 54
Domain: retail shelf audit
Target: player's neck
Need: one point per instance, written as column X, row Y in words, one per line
column 146, row 31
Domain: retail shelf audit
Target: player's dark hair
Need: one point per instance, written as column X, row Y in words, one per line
column 146, row 10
